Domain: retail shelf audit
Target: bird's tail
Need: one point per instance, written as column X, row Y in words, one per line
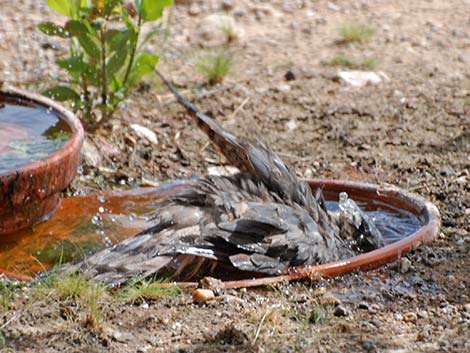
column 254, row 157
column 233, row 148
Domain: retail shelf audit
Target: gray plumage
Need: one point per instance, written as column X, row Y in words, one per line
column 260, row 221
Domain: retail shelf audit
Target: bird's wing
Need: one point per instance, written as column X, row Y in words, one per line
column 149, row 252
column 270, row 237
column 232, row 223
column 187, row 240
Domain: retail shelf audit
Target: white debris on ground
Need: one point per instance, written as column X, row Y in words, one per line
column 90, row 154
column 362, row 78
column 145, row 133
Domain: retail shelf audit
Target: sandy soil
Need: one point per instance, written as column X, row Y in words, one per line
column 411, row 130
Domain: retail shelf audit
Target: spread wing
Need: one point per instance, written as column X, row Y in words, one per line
column 216, row 225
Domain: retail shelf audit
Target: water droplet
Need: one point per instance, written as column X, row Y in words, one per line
column 101, row 209
column 107, row 241
column 96, row 219
column 101, row 199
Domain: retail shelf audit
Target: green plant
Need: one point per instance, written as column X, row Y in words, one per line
column 319, row 313
column 353, row 63
column 214, row 65
column 355, row 32
column 148, row 290
column 6, row 296
column 64, row 285
column 76, row 288
column 106, row 58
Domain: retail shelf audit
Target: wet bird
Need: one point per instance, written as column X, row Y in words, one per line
column 260, row 221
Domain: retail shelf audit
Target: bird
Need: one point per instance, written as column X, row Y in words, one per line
column 260, row 221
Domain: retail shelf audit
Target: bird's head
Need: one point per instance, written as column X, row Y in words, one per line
column 356, row 227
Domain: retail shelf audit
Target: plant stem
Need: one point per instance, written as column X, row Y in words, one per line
column 104, row 83
column 133, row 50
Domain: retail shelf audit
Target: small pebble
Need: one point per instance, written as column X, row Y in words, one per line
column 377, row 323
column 330, row 299
column 368, row 346
column 405, row 265
column 364, row 305
column 120, row 336
column 374, row 308
column 282, row 88
column 422, row 314
column 289, row 76
column 227, row 5
column 226, row 314
column 409, row 317
column 194, row 9
column 340, row 310
column 203, row 295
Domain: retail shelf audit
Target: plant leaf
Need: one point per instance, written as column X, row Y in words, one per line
column 116, row 84
column 77, row 28
column 144, row 65
column 51, row 29
column 118, row 40
column 151, row 10
column 64, row 7
column 61, row 93
column 117, row 61
column 89, row 46
column 109, row 6
column 73, row 64
column 110, row 34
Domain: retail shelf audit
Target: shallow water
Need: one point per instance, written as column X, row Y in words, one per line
column 28, row 133
column 87, row 223
column 393, row 223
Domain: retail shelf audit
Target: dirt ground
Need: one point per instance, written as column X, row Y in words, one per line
column 411, row 130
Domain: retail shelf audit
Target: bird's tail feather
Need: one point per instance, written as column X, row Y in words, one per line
column 233, row 148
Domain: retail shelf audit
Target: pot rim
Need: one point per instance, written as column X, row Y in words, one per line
column 56, row 157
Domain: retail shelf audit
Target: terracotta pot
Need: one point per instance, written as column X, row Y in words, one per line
column 76, row 211
column 30, row 194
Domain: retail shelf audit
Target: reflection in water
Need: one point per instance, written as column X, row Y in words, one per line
column 29, row 133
